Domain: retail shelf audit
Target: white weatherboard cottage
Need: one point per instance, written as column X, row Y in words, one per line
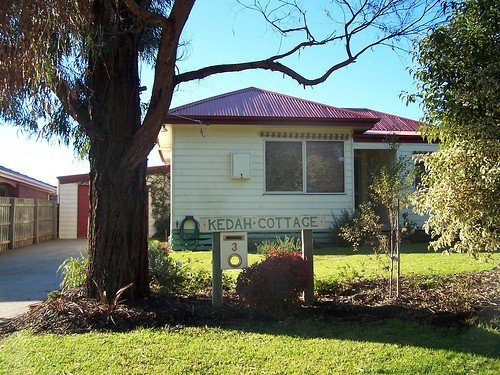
column 256, row 153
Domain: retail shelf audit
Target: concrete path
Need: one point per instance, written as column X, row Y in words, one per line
column 28, row 274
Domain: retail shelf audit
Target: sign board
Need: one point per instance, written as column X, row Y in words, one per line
column 233, row 250
column 260, row 223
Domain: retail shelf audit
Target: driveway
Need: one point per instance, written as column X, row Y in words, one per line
column 29, row 273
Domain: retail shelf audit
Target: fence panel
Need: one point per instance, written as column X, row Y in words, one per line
column 4, row 223
column 24, row 224
column 46, row 220
column 26, row 221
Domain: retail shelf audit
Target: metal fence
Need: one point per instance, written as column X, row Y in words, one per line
column 26, row 221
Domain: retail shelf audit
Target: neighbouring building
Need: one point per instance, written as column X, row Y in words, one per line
column 17, row 185
column 28, row 210
column 74, row 204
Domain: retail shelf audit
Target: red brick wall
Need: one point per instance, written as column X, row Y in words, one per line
column 27, row 192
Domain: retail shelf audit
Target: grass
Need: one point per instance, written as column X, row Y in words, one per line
column 343, row 263
column 289, row 347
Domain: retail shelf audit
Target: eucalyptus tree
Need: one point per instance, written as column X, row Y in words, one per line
column 70, row 69
column 458, row 77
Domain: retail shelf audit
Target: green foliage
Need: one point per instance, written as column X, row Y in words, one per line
column 281, row 244
column 408, row 228
column 391, row 181
column 345, row 219
column 171, row 277
column 461, row 195
column 74, row 272
column 365, row 229
column 159, row 190
column 458, row 81
column 166, row 275
column 334, row 284
column 275, row 283
column 458, row 74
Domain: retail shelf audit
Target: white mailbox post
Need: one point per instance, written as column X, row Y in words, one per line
column 233, row 250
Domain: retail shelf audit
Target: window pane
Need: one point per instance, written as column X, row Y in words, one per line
column 284, row 166
column 325, row 167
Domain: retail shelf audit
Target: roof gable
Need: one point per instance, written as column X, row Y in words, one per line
column 254, row 103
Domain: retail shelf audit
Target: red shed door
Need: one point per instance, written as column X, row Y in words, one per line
column 83, row 211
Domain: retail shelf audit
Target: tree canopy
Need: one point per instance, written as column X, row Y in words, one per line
column 458, row 78
column 70, row 68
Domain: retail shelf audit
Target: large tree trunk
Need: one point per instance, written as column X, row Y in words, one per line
column 118, row 199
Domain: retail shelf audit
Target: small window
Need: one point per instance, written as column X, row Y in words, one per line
column 305, row 166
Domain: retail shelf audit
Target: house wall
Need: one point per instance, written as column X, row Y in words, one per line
column 68, row 210
column 201, row 180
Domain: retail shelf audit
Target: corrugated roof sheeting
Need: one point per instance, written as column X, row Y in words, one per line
column 389, row 122
column 254, row 102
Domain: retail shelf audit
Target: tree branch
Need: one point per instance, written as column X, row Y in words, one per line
column 72, row 104
column 147, row 17
column 163, row 86
column 368, row 16
column 269, row 64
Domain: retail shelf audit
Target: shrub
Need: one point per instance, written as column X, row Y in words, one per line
column 166, row 275
column 274, row 283
column 285, row 244
column 170, row 277
column 74, row 272
column 345, row 219
column 365, row 229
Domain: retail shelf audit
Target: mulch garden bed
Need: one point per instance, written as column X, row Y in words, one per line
column 457, row 300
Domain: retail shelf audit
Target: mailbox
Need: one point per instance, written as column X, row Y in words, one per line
column 233, row 250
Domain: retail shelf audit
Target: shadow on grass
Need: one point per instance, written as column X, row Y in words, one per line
column 410, row 248
column 386, row 324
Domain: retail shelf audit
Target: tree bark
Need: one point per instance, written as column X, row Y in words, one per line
column 117, row 238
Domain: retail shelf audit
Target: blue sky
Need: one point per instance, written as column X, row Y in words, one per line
column 221, row 32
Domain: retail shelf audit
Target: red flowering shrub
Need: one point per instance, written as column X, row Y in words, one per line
column 274, row 283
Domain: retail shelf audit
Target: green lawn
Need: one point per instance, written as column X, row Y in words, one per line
column 343, row 262
column 289, row 346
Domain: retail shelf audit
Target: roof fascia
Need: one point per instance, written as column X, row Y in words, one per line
column 28, row 181
column 360, row 124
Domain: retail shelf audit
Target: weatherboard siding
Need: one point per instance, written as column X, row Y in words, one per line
column 201, row 175
column 68, row 210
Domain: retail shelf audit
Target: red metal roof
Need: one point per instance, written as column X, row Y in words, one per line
column 253, row 105
column 388, row 122
column 257, row 104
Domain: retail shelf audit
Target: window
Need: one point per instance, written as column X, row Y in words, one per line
column 305, row 166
